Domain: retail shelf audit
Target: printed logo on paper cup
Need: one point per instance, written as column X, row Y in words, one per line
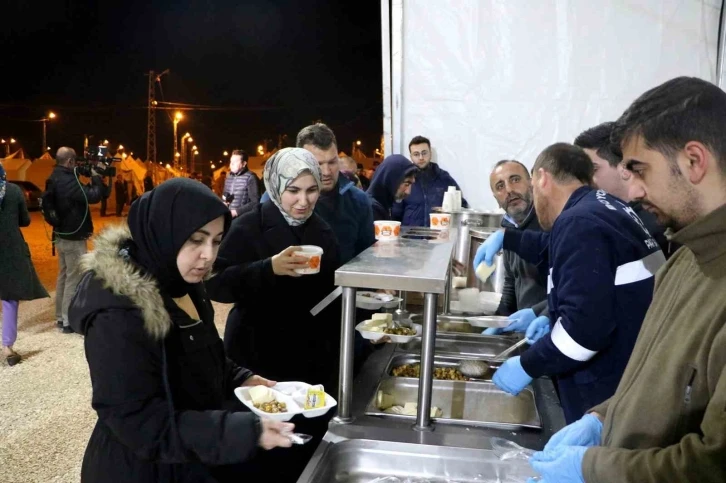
column 378, row 230
column 396, row 230
column 314, row 262
column 386, row 231
column 444, row 221
column 435, row 221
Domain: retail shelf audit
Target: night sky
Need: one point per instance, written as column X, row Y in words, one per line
column 272, row 66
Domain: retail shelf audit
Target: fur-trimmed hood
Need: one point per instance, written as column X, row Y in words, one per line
column 114, row 282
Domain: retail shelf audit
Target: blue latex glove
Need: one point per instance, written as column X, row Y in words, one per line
column 537, row 329
column 518, row 322
column 511, row 377
column 584, row 432
column 562, row 465
column 489, row 248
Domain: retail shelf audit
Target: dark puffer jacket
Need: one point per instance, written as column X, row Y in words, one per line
column 159, row 378
column 244, row 187
column 384, row 185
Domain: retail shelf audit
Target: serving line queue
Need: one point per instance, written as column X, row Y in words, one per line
column 633, row 344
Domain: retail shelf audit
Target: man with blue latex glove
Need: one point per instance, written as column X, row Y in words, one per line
column 489, row 248
column 601, row 263
column 537, row 329
column 561, row 465
column 511, row 377
column 518, row 322
column 585, row 431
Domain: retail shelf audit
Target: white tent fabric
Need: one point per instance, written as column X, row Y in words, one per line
column 488, row 80
column 40, row 170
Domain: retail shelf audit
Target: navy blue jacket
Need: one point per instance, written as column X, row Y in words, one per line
column 384, row 185
column 602, row 262
column 426, row 194
column 351, row 218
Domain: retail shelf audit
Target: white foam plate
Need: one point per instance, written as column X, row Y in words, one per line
column 283, row 392
column 395, row 339
column 376, row 301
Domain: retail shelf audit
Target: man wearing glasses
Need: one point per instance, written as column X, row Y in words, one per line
column 428, row 191
column 611, row 176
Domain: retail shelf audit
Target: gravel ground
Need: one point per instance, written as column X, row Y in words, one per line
column 45, row 401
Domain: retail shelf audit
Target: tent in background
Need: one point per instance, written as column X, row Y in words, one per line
column 16, row 166
column 41, row 170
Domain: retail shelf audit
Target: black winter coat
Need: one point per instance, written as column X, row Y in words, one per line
column 18, row 279
column 270, row 329
column 159, row 378
column 72, row 200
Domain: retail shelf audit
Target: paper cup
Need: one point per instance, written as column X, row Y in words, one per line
column 387, row 230
column 314, row 254
column 440, row 221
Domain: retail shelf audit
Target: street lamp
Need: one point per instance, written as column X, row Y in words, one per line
column 193, row 167
column 177, row 117
column 353, row 148
column 183, row 158
column 7, row 145
column 51, row 115
column 225, row 153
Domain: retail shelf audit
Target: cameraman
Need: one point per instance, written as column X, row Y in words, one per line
column 72, row 200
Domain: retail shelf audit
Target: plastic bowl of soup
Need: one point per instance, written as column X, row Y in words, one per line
column 314, row 254
column 387, row 230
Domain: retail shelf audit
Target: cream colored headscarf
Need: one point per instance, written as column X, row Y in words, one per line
column 283, row 168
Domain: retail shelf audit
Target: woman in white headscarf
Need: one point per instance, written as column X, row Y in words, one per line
column 270, row 329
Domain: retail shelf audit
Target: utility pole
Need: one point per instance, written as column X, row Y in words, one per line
column 151, row 123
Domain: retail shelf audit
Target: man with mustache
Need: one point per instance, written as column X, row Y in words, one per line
column 524, row 297
column 667, row 419
column 601, row 263
column 391, row 184
column 344, row 207
column 611, row 176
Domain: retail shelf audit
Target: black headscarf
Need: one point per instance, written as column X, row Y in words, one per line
column 163, row 219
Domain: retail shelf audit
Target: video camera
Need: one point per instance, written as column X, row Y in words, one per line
column 96, row 158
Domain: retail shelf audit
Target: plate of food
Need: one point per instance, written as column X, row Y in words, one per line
column 313, row 399
column 381, row 325
column 286, row 399
column 376, row 301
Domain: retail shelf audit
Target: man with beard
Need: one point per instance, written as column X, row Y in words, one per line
column 391, row 184
column 343, row 206
column 524, row 297
column 602, row 263
column 611, row 176
column 666, row 422
column 428, row 192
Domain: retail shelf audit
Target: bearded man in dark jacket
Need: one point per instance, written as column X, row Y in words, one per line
column 391, row 184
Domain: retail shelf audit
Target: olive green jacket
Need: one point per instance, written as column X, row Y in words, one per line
column 667, row 419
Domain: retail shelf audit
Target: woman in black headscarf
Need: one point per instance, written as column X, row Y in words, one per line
column 158, row 368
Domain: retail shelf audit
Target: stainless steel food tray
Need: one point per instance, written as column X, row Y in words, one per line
column 439, row 361
column 463, row 345
column 364, row 460
column 471, row 403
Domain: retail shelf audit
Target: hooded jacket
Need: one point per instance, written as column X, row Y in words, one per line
column 159, row 377
column 426, row 194
column 384, row 185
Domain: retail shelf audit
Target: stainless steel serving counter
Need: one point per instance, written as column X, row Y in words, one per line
column 361, row 444
column 377, row 434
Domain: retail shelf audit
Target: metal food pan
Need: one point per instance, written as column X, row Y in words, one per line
column 463, row 345
column 471, row 403
column 439, row 361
